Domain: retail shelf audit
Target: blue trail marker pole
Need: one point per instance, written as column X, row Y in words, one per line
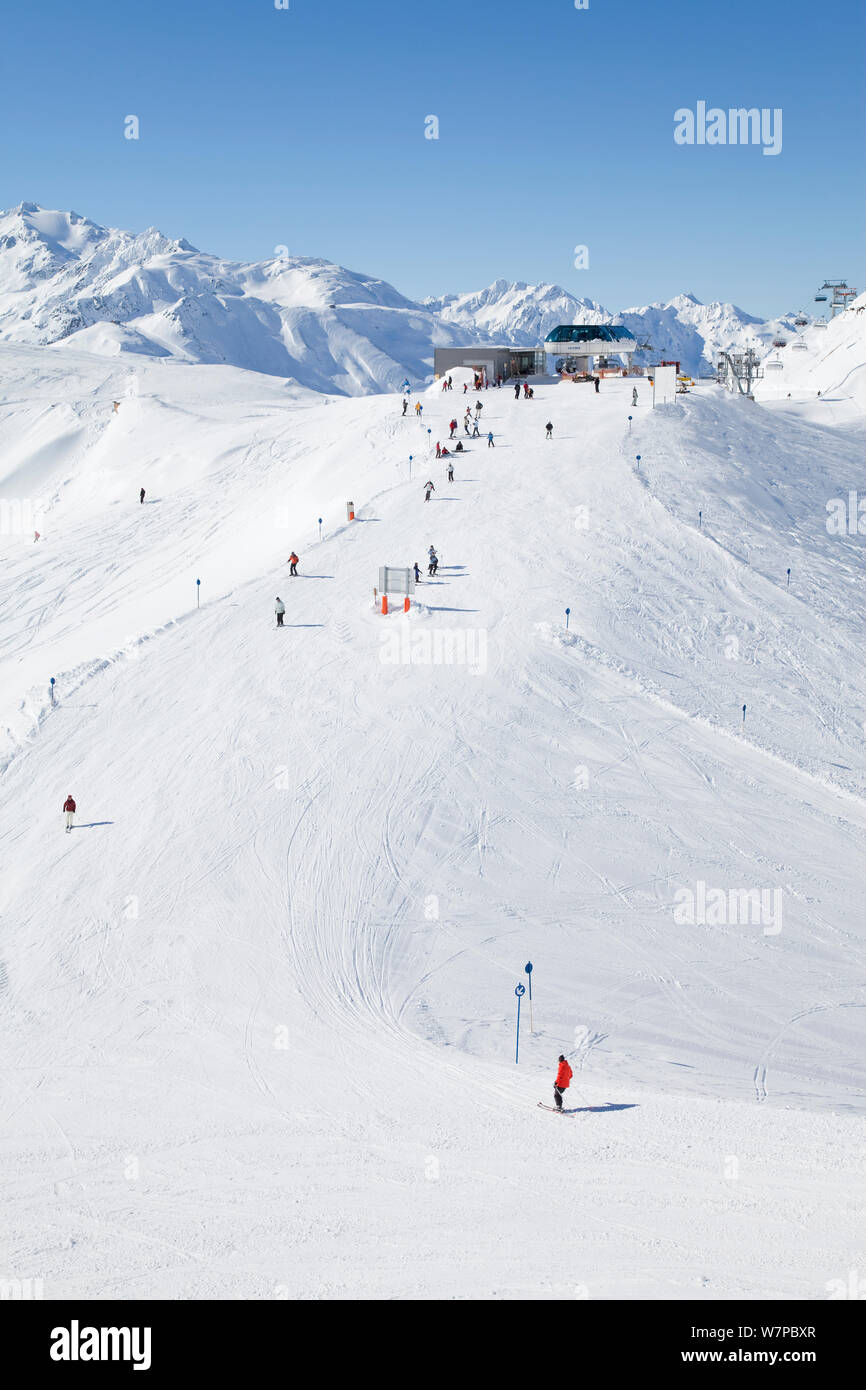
column 320, row 528
column 198, row 593
column 51, row 689
column 789, row 579
column 430, row 439
column 629, row 424
column 567, row 616
column 528, row 968
column 520, row 991
column 701, row 520
column 744, row 714
column 410, row 468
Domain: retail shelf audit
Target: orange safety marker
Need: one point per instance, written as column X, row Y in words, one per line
column 385, row 604
column 406, row 604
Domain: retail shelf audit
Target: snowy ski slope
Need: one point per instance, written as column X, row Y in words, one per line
column 257, row 1010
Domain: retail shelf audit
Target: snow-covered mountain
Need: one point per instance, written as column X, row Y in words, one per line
column 683, row 328
column 66, row 280
column 695, row 333
column 63, row 279
column 516, row 313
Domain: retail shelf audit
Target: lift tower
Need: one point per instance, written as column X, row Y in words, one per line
column 842, row 292
column 737, row 371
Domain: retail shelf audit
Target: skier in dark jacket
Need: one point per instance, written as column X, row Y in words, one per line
column 69, row 808
column 405, row 404
column 141, row 495
column 428, row 488
column 596, row 380
column 417, row 572
column 549, row 428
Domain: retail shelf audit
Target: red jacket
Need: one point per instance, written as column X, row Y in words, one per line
column 563, row 1076
column 69, row 804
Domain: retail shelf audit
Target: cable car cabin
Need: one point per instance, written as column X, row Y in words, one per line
column 820, row 299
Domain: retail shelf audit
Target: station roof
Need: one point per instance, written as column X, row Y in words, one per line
column 590, row 333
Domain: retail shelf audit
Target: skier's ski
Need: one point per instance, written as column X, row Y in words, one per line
column 542, row 1106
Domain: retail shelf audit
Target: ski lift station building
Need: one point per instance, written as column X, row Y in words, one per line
column 576, row 348
column 491, row 360
column 571, row 348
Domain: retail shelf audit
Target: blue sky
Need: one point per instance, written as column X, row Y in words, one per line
column 305, row 127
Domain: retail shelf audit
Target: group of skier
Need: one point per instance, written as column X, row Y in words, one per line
column 564, row 1071
column 292, row 562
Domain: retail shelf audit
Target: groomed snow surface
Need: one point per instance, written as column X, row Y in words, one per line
column 257, row 1010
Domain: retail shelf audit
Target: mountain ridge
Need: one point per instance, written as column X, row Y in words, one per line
column 66, row 279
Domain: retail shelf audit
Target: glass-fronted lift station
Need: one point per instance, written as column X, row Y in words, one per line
column 571, row 349
column 575, row 349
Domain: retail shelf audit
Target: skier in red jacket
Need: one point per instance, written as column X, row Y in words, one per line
column 69, row 808
column 563, row 1078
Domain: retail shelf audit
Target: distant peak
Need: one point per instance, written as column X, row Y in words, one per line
column 682, row 299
